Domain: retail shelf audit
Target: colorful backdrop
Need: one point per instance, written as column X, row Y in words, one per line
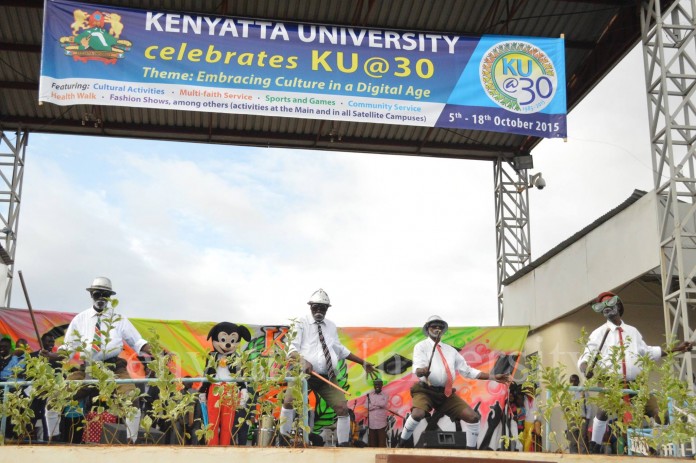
column 390, row 349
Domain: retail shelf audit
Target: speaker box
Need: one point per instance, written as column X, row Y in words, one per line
column 442, row 440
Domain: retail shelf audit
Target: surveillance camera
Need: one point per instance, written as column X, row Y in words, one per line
column 540, row 183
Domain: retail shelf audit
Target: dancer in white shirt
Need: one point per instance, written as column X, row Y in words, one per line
column 615, row 333
column 98, row 334
column 318, row 349
column 436, row 364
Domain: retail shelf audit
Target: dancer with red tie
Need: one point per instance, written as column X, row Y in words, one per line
column 435, row 364
column 616, row 333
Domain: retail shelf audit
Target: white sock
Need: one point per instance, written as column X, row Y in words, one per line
column 132, row 426
column 287, row 416
column 409, row 427
column 343, row 429
column 40, row 432
column 598, row 430
column 472, row 432
column 53, row 420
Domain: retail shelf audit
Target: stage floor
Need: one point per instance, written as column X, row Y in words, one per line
column 173, row 454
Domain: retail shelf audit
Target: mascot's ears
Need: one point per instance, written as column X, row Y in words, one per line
column 227, row 327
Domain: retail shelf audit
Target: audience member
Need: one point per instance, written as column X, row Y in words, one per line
column 7, row 360
column 377, row 403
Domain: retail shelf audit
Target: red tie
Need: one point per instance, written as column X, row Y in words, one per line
column 450, row 379
column 623, row 352
column 627, row 418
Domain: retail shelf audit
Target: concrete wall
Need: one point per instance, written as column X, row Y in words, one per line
column 616, row 252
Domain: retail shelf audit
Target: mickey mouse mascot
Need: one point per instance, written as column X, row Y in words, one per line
column 223, row 398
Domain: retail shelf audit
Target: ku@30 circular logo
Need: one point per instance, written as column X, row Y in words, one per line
column 518, row 77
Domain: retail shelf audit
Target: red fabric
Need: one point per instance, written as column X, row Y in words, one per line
column 603, row 295
column 94, row 424
column 17, row 323
column 623, row 356
column 221, row 414
column 449, row 382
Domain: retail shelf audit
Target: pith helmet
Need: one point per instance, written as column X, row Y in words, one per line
column 101, row 284
column 434, row 318
column 319, row 297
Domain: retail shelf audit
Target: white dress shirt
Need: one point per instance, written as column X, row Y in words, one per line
column 633, row 344
column 81, row 333
column 307, row 343
column 438, row 374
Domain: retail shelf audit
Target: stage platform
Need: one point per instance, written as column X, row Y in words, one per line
column 172, row 454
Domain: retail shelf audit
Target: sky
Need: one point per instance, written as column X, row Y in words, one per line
column 225, row 233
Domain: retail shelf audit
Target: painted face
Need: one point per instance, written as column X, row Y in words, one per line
column 101, row 300
column 318, row 312
column 435, row 329
column 226, row 343
column 610, row 312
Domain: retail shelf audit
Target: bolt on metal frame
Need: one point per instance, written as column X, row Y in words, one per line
column 512, row 238
column 669, row 52
column 12, row 156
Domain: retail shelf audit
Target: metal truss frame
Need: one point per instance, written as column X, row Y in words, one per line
column 669, row 51
column 512, row 238
column 12, row 156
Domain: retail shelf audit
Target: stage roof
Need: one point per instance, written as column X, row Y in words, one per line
column 598, row 34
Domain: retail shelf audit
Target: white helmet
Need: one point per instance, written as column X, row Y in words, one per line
column 319, row 297
column 101, row 284
column 434, row 318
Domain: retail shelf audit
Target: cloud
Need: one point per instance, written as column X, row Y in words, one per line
column 248, row 236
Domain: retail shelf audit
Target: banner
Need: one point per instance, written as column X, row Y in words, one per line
column 389, row 349
column 106, row 55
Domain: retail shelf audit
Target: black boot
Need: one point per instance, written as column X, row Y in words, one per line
column 595, row 448
column 405, row 443
column 285, row 440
